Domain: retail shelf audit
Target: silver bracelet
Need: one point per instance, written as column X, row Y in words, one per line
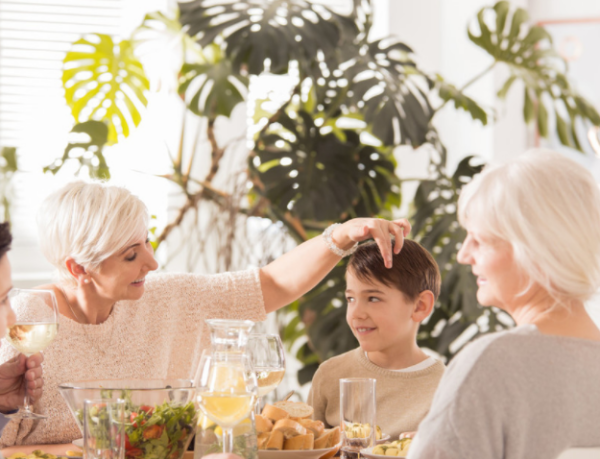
column 327, row 235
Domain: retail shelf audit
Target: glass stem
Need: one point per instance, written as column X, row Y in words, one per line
column 258, row 405
column 228, row 440
column 26, row 402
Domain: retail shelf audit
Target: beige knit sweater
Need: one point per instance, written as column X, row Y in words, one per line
column 162, row 335
column 403, row 398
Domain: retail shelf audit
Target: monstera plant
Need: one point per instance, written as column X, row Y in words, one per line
column 325, row 154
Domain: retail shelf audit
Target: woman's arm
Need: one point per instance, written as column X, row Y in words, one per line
column 295, row 273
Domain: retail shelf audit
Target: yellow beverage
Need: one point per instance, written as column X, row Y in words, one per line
column 226, row 409
column 268, row 380
column 29, row 338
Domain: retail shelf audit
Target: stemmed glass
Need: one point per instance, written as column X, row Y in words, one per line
column 268, row 359
column 227, row 392
column 36, row 326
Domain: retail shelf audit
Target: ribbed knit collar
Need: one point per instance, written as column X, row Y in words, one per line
column 359, row 355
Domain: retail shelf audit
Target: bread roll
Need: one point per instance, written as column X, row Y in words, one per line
column 275, row 440
column 262, row 440
column 296, row 410
column 289, row 428
column 263, row 424
column 330, row 437
column 300, row 442
column 274, row 413
column 316, row 427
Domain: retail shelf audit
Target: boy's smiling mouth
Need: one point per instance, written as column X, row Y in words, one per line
column 364, row 330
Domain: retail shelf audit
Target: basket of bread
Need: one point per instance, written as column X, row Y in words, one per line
column 397, row 448
column 286, row 430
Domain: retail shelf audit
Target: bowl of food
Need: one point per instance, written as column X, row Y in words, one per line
column 285, row 431
column 396, row 448
column 161, row 415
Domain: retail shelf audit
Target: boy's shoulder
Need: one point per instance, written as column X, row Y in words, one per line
column 345, row 360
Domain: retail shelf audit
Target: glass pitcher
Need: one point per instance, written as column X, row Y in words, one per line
column 228, row 345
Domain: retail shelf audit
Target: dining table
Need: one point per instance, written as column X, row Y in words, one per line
column 57, row 450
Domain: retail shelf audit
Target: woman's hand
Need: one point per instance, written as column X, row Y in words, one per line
column 17, row 375
column 382, row 231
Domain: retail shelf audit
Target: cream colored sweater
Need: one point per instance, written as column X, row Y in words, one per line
column 162, row 335
column 403, row 398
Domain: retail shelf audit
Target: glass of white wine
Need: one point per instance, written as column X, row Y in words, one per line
column 268, row 359
column 35, row 327
column 227, row 392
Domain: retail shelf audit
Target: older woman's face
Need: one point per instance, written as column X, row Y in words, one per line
column 122, row 275
column 499, row 279
column 7, row 316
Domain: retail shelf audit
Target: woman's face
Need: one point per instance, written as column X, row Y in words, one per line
column 122, row 275
column 7, row 316
column 499, row 279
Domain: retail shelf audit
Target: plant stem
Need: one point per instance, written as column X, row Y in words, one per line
column 469, row 83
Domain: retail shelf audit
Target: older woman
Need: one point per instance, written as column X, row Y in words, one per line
column 533, row 241
column 117, row 323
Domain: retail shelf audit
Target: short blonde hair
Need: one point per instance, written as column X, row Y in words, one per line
column 548, row 208
column 89, row 222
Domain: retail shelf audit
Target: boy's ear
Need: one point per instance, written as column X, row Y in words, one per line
column 423, row 306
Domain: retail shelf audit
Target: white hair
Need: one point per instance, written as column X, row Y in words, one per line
column 89, row 222
column 548, row 208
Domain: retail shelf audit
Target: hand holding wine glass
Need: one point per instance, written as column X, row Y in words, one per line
column 35, row 327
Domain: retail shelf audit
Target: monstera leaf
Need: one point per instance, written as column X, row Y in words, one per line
column 449, row 92
column 104, row 81
column 319, row 178
column 8, row 167
column 85, row 146
column 528, row 52
column 212, row 88
column 253, row 31
column 435, row 226
column 382, row 82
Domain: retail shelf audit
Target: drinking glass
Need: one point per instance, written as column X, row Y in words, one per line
column 357, row 415
column 104, row 429
column 35, row 327
column 268, row 359
column 227, row 392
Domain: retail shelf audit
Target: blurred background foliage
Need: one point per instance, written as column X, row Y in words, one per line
column 326, row 153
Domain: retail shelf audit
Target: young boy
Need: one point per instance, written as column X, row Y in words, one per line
column 385, row 308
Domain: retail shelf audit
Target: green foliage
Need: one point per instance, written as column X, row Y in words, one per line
column 256, row 30
column 85, row 147
column 319, row 177
column 212, row 88
column 104, row 81
column 528, row 52
column 449, row 92
column 8, row 168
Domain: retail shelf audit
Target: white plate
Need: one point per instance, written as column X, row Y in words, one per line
column 78, row 442
column 368, row 453
column 384, row 439
column 293, row 454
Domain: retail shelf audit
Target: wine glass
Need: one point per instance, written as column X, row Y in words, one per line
column 35, row 327
column 268, row 359
column 227, row 391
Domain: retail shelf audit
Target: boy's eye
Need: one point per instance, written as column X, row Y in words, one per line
column 349, row 299
column 374, row 299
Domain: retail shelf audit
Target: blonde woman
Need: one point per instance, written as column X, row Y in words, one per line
column 533, row 241
column 115, row 322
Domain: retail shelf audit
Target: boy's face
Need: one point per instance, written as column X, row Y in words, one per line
column 380, row 317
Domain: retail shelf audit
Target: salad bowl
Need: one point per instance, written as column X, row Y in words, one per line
column 161, row 415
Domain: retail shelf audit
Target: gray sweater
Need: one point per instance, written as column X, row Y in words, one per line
column 515, row 395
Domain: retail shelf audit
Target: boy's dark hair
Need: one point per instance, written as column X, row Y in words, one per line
column 5, row 238
column 414, row 269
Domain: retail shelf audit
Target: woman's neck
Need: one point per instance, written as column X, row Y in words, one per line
column 86, row 306
column 560, row 319
column 398, row 357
